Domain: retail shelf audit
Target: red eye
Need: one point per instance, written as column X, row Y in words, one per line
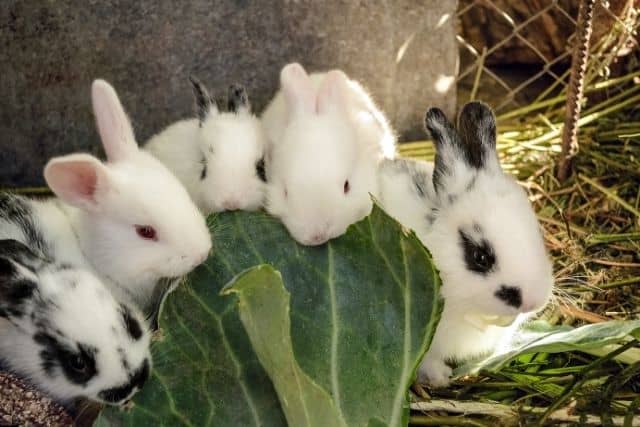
column 346, row 187
column 146, row 232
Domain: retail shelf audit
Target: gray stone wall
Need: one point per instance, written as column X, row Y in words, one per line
column 51, row 50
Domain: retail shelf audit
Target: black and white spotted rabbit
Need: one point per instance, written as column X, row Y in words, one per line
column 481, row 230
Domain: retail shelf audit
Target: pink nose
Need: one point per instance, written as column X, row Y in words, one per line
column 231, row 205
column 318, row 238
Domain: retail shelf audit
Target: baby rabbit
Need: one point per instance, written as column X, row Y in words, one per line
column 61, row 329
column 481, row 231
column 325, row 138
column 135, row 222
column 218, row 157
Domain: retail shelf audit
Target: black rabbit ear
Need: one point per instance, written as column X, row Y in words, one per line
column 448, row 148
column 238, row 99
column 17, row 277
column 477, row 129
column 204, row 103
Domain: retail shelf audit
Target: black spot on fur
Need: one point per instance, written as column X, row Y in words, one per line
column 130, row 323
column 202, row 98
column 511, row 295
column 203, row 174
column 260, row 170
column 237, row 98
column 16, row 210
column 13, row 296
column 15, row 288
column 137, row 380
column 478, row 256
column 77, row 365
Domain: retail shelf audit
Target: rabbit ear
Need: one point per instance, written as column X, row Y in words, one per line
column 333, row 92
column 477, row 128
column 17, row 280
column 78, row 179
column 238, row 99
column 114, row 127
column 204, row 103
column 449, row 158
column 298, row 90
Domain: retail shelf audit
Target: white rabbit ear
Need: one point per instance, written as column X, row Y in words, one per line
column 298, row 90
column 78, row 179
column 114, row 127
column 333, row 92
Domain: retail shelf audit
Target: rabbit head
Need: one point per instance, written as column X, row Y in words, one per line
column 135, row 221
column 62, row 329
column 232, row 146
column 320, row 175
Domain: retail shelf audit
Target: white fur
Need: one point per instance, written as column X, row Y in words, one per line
column 500, row 208
column 231, row 144
column 75, row 307
column 322, row 130
column 104, row 203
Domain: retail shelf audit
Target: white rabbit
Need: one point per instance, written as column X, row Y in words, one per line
column 325, row 138
column 481, row 231
column 134, row 221
column 218, row 157
column 61, row 329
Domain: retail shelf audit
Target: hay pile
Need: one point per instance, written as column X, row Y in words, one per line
column 592, row 230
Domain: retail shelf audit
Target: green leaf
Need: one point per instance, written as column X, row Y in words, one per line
column 540, row 337
column 264, row 310
column 362, row 311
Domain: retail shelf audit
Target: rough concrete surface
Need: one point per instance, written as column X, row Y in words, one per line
column 404, row 51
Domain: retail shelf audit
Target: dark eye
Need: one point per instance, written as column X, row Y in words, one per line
column 346, row 187
column 285, row 192
column 478, row 255
column 260, row 170
column 146, row 232
column 481, row 258
column 78, row 364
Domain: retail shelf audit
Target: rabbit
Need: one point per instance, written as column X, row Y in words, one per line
column 61, row 329
column 325, row 139
column 482, row 233
column 134, row 221
column 217, row 156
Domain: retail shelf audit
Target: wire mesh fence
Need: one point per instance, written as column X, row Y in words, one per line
column 514, row 52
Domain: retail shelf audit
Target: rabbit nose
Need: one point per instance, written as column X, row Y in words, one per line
column 318, row 238
column 510, row 295
column 231, row 204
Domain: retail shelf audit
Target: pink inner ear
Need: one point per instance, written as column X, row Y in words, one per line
column 298, row 89
column 74, row 181
column 332, row 93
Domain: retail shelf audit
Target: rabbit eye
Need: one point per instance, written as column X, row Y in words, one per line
column 478, row 256
column 481, row 258
column 77, row 363
column 146, row 232
column 346, row 187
